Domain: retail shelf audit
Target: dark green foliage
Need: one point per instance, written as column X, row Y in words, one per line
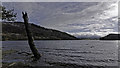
column 15, row 31
column 8, row 15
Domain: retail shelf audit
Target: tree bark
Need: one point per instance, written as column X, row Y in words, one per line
column 30, row 38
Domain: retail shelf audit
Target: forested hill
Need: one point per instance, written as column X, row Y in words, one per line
column 111, row 37
column 16, row 31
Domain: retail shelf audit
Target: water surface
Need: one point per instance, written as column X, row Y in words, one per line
column 79, row 52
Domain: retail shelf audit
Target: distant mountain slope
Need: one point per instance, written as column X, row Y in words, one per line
column 16, row 31
column 111, row 37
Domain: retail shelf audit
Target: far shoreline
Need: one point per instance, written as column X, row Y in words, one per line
column 51, row 39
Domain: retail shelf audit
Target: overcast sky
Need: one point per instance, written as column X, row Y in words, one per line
column 78, row 18
column 58, row 0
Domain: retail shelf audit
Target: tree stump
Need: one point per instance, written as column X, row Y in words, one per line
column 30, row 38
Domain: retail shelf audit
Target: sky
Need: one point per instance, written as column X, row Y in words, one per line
column 58, row 0
column 76, row 18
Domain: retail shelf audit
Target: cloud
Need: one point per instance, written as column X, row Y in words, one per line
column 94, row 18
column 92, row 34
column 58, row 0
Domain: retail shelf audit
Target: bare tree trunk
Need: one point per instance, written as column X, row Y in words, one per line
column 30, row 38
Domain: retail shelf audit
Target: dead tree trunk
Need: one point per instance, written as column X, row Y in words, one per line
column 30, row 38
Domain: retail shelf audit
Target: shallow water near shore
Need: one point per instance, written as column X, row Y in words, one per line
column 63, row 52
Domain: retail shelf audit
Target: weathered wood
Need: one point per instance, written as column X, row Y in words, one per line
column 30, row 38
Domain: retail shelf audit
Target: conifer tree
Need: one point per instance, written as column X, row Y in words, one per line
column 7, row 15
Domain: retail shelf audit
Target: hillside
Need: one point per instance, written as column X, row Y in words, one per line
column 111, row 37
column 16, row 31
